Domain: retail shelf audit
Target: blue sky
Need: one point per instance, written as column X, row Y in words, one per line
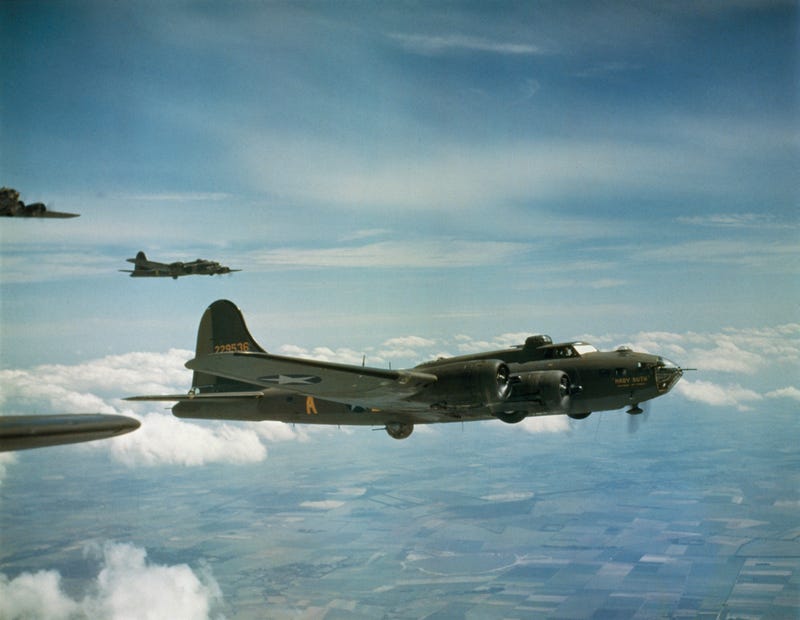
column 398, row 181
column 385, row 171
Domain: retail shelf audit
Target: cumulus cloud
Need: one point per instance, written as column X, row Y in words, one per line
column 36, row 595
column 405, row 347
column 545, row 424
column 279, row 431
column 165, row 439
column 409, row 341
column 89, row 386
column 731, row 395
column 465, row 344
column 727, row 356
column 340, row 355
column 787, row 392
column 96, row 386
column 117, row 592
column 731, row 350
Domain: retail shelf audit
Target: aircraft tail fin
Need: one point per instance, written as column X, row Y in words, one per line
column 140, row 261
column 222, row 330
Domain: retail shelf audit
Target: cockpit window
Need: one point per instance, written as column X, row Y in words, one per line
column 569, row 350
column 560, row 352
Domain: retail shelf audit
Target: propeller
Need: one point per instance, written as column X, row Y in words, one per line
column 503, row 379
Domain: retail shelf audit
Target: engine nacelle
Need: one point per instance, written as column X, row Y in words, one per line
column 472, row 383
column 541, row 391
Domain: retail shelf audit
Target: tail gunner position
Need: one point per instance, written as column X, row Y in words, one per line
column 235, row 379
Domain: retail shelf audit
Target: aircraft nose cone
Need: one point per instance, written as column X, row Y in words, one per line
column 667, row 374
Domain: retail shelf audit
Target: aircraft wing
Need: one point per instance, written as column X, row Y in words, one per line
column 59, row 214
column 37, row 431
column 343, row 383
column 146, row 273
column 198, row 396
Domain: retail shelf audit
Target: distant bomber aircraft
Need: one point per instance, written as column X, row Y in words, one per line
column 152, row 269
column 21, row 432
column 235, row 379
column 12, row 206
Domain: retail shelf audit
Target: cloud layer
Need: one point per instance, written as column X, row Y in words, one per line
column 97, row 386
column 126, row 576
column 737, row 368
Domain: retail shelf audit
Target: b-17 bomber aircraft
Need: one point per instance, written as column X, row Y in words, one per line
column 235, row 379
column 12, row 206
column 145, row 268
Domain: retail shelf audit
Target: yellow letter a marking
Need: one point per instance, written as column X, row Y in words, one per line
column 311, row 407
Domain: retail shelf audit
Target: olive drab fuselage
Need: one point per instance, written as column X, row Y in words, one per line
column 236, row 379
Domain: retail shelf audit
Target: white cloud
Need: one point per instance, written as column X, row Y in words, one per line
column 279, row 431
column 44, row 264
column 96, row 387
column 787, row 392
column 364, row 234
column 79, row 388
column 777, row 256
column 171, row 591
column 440, row 44
column 466, row 344
column 327, row 504
column 352, row 491
column 733, row 350
column 341, row 355
column 405, row 348
column 457, row 177
column 36, row 595
column 409, row 341
column 726, row 356
column 165, row 439
column 428, row 254
column 545, row 424
column 511, row 496
column 731, row 395
column 735, row 220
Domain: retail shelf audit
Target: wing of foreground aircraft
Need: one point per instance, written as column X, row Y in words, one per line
column 235, row 379
column 36, row 431
column 335, row 382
